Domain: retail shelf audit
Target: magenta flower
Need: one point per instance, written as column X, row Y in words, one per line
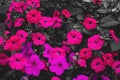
column 66, row 13
column 14, row 43
column 46, row 52
column 17, row 61
column 38, row 38
column 27, row 50
column 85, row 53
column 57, row 22
column 56, row 52
column 33, row 3
column 108, row 59
column 33, row 16
column 58, row 65
column 34, row 65
column 97, row 65
column 116, row 66
column 18, row 22
column 81, row 77
column 95, row 42
column 82, row 63
column 74, row 37
column 19, row 6
column 3, row 59
column 90, row 23
column 56, row 14
column 46, row 22
column 22, row 34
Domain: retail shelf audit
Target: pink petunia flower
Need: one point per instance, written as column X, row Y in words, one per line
column 58, row 65
column 18, row 22
column 33, row 16
column 46, row 52
column 17, row 61
column 22, row 34
column 56, row 52
column 116, row 66
column 66, row 13
column 33, row 3
column 82, row 63
column 85, row 53
column 6, row 32
column 38, row 38
column 57, row 22
column 14, row 43
column 74, row 37
column 46, row 22
column 97, row 64
column 34, row 65
column 90, row 23
column 56, row 14
column 19, row 6
column 66, row 48
column 108, row 59
column 55, row 78
column 81, row 77
column 95, row 42
column 3, row 59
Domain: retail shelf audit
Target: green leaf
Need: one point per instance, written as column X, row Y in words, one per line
column 115, row 45
column 110, row 23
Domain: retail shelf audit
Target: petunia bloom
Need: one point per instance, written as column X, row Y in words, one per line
column 18, row 22
column 116, row 66
column 38, row 38
column 34, row 65
column 56, row 52
column 108, row 59
column 17, row 61
column 27, row 50
column 22, row 34
column 14, row 43
column 58, row 65
column 33, row 3
column 90, row 23
column 97, row 65
column 95, row 42
column 82, row 63
column 3, row 59
column 66, row 13
column 57, row 22
column 46, row 22
column 85, row 53
column 74, row 37
column 47, row 49
column 33, row 16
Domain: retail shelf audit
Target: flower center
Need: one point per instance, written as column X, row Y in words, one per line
column 17, row 60
column 97, row 63
column 60, row 65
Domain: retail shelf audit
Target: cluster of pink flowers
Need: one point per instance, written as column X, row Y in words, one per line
column 32, row 43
